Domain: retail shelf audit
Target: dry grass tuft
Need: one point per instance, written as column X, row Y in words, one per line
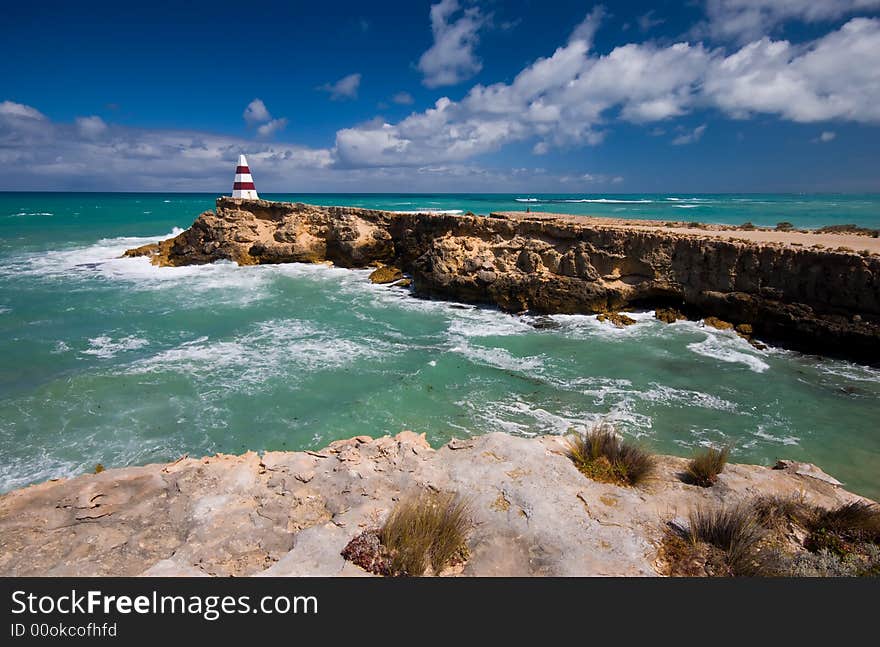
column 734, row 530
column 603, row 456
column 838, row 529
column 705, row 466
column 427, row 529
column 771, row 536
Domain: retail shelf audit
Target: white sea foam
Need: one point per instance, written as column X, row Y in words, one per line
column 431, row 210
column 589, row 326
column 611, row 201
column 55, row 263
column 4, row 310
column 287, row 347
column 848, row 370
column 526, row 199
column 105, row 347
column 31, row 213
column 498, row 358
column 728, row 348
column 485, row 322
column 763, row 434
column 687, row 206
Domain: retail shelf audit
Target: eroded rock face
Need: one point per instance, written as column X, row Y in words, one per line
column 293, row 513
column 805, row 298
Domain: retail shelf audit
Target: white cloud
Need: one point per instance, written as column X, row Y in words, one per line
column 91, row 127
column 570, row 98
column 271, row 127
column 746, row 20
column 69, row 155
column 648, row 21
column 826, row 136
column 344, row 88
column 19, row 110
column 834, row 77
column 690, row 137
column 256, row 112
column 451, row 58
column 403, row 98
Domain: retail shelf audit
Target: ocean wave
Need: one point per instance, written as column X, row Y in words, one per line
column 729, row 349
column 611, row 201
column 484, row 322
column 55, row 263
column 432, row 210
column 282, row 347
column 105, row 347
column 31, row 213
column 527, row 199
column 500, row 358
column 687, row 206
column 589, row 326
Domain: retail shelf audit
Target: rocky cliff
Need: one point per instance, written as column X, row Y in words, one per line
column 293, row 513
column 802, row 290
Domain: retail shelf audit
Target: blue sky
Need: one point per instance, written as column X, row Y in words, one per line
column 451, row 95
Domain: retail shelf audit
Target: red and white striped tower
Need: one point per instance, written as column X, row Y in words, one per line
column 243, row 187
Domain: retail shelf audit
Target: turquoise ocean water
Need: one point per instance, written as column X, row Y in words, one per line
column 113, row 361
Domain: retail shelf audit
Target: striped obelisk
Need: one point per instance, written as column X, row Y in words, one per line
column 243, row 187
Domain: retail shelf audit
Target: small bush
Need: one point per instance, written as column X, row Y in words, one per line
column 735, row 531
column 430, row 528
column 784, row 226
column 825, row 563
column 704, row 468
column 858, row 521
column 603, row 456
column 775, row 512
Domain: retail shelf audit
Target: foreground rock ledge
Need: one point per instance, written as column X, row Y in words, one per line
column 291, row 513
column 818, row 292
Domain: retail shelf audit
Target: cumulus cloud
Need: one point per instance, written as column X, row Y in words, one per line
column 571, row 97
column 71, row 156
column 256, row 112
column 451, row 59
column 826, row 136
column 344, row 88
column 403, row 98
column 746, row 20
column 39, row 154
column 91, row 127
column 690, row 137
column 13, row 110
column 834, row 77
column 271, row 127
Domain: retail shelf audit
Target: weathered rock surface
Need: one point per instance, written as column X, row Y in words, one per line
column 805, row 297
column 292, row 513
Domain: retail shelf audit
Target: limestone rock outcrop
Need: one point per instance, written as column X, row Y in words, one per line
column 292, row 513
column 808, row 298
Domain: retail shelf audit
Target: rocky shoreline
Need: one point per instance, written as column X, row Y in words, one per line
column 293, row 513
column 816, row 292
